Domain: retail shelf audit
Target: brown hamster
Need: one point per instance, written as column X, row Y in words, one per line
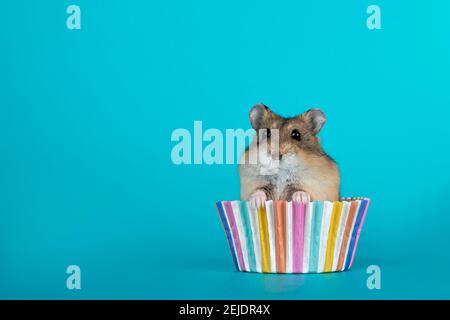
column 304, row 171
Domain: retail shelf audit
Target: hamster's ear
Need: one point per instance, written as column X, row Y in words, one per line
column 258, row 115
column 315, row 118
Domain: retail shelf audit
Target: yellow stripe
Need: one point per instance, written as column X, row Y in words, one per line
column 264, row 236
column 332, row 235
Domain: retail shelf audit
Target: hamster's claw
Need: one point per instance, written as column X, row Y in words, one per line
column 301, row 196
column 258, row 199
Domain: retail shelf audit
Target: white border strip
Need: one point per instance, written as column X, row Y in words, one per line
column 241, row 232
column 326, row 220
column 307, row 236
column 254, row 222
column 289, row 237
column 271, row 231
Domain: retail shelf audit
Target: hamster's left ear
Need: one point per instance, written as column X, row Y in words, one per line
column 258, row 115
column 316, row 119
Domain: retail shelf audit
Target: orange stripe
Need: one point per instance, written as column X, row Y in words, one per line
column 346, row 235
column 280, row 235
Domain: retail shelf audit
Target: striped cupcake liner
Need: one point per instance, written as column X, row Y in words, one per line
column 293, row 237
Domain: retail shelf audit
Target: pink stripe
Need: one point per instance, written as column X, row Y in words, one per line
column 359, row 231
column 237, row 242
column 297, row 248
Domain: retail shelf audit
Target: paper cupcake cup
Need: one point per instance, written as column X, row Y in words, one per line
column 293, row 237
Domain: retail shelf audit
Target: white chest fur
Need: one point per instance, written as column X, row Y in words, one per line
column 289, row 170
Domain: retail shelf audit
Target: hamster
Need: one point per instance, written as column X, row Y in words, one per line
column 303, row 172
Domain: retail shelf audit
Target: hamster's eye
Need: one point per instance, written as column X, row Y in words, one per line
column 295, row 134
column 268, row 133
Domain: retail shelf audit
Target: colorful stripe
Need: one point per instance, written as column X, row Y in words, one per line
column 326, row 220
column 245, row 217
column 347, row 233
column 228, row 235
column 340, row 233
column 264, row 236
column 298, row 224
column 347, row 250
column 332, row 235
column 361, row 211
column 280, row 235
column 254, row 221
column 234, row 232
column 367, row 202
column 316, row 226
column 240, row 228
column 293, row 237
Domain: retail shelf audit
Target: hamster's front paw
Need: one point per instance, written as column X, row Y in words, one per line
column 301, row 196
column 258, row 199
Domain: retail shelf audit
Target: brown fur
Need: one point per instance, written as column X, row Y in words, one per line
column 306, row 166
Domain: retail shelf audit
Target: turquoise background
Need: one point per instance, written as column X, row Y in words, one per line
column 86, row 118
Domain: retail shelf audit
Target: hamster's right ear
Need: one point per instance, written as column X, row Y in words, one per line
column 316, row 119
column 258, row 115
